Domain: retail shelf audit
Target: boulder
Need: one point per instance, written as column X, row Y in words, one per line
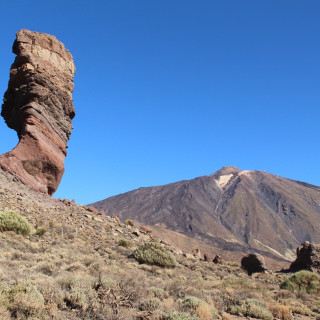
column 145, row 229
column 253, row 263
column 308, row 258
column 217, row 259
column 196, row 253
column 206, row 257
column 116, row 218
column 38, row 105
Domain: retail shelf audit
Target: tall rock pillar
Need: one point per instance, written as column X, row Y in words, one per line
column 38, row 105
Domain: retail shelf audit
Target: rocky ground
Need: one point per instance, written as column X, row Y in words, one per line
column 78, row 264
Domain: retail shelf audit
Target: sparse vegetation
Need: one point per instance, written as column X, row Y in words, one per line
column 250, row 308
column 129, row 222
column 75, row 272
column 178, row 316
column 303, row 282
column 41, row 231
column 124, row 243
column 12, row 221
column 154, row 254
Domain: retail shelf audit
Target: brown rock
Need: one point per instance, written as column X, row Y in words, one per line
column 253, row 263
column 145, row 229
column 217, row 260
column 116, row 218
column 206, row 257
column 196, row 253
column 93, row 210
column 38, row 105
column 308, row 258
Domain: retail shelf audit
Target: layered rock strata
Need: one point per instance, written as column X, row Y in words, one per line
column 38, row 105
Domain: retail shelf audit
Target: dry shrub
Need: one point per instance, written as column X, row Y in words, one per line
column 198, row 307
column 303, row 281
column 168, row 303
column 281, row 312
column 297, row 307
column 51, row 292
column 75, row 266
column 129, row 222
column 46, row 268
column 25, row 300
column 150, row 304
column 178, row 316
column 158, row 293
column 41, row 231
column 79, row 292
column 249, row 308
column 206, row 312
column 124, row 243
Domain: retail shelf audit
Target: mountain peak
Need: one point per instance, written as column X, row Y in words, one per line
column 232, row 209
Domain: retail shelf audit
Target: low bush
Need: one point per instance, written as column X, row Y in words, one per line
column 190, row 302
column 250, row 308
column 178, row 316
column 124, row 243
column 25, row 300
column 150, row 304
column 303, row 282
column 281, row 312
column 41, row 231
column 198, row 307
column 12, row 221
column 79, row 292
column 154, row 253
column 129, row 222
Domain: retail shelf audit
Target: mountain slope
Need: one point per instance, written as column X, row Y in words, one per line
column 230, row 209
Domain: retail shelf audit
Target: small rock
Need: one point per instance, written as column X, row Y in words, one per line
column 217, row 260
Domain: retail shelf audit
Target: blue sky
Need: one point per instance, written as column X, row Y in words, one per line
column 174, row 89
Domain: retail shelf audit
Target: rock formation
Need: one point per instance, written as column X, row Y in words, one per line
column 38, row 105
column 253, row 263
column 308, row 258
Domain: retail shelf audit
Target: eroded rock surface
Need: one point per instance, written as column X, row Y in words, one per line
column 38, row 105
column 308, row 258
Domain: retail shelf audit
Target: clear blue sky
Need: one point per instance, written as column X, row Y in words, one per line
column 167, row 90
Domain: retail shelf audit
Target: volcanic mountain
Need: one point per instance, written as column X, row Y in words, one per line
column 231, row 209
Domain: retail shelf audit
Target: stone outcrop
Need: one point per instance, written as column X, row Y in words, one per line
column 308, row 258
column 217, row 259
column 38, row 105
column 253, row 263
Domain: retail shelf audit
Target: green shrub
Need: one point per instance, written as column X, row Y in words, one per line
column 12, row 221
column 154, row 254
column 124, row 243
column 178, row 316
column 302, row 281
